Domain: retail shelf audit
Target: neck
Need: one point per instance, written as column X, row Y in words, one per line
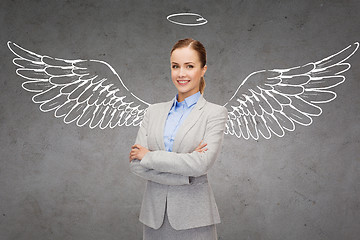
column 181, row 96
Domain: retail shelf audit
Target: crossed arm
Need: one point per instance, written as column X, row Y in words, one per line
column 175, row 168
column 138, row 151
column 136, row 154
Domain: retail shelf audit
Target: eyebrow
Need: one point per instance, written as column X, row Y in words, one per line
column 185, row 63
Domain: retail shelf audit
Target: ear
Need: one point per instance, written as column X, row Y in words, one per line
column 204, row 70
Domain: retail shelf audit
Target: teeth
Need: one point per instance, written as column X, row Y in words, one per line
column 182, row 81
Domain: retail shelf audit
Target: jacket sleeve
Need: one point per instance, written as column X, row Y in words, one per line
column 156, row 176
column 195, row 163
column 151, row 174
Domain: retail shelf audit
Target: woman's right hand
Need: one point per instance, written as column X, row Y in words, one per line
column 201, row 146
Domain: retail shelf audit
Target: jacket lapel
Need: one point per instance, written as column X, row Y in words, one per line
column 191, row 119
column 161, row 124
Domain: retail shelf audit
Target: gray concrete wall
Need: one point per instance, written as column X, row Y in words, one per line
column 60, row 181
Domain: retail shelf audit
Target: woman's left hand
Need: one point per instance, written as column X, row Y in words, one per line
column 137, row 152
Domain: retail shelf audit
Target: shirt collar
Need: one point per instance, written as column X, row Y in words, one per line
column 189, row 101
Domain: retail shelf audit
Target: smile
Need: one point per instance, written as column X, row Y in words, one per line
column 183, row 82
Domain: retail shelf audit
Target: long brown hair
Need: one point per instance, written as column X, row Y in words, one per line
column 199, row 48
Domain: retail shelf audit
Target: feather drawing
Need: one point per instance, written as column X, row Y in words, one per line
column 271, row 102
column 266, row 103
column 89, row 92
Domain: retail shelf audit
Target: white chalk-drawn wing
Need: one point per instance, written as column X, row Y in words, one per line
column 89, row 92
column 269, row 102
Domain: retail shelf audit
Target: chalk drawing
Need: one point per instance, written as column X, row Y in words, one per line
column 89, row 92
column 270, row 102
column 266, row 103
column 187, row 19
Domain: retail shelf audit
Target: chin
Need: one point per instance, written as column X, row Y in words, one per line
column 182, row 91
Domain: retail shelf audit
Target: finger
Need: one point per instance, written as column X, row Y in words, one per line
column 135, row 150
column 134, row 153
column 200, row 147
column 205, row 144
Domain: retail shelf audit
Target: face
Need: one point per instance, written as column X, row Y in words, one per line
column 186, row 71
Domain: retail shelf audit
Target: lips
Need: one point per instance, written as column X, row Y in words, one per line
column 183, row 82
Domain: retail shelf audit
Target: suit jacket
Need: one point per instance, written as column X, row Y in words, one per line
column 178, row 179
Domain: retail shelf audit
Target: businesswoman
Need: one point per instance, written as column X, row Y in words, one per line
column 176, row 145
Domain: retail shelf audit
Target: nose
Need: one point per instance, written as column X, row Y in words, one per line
column 182, row 72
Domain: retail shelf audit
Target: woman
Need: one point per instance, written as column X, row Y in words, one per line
column 176, row 145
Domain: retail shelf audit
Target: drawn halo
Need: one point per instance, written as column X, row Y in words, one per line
column 198, row 21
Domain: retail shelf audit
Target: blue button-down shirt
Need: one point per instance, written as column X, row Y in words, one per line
column 178, row 113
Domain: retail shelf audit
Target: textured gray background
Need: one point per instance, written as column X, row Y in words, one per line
column 60, row 181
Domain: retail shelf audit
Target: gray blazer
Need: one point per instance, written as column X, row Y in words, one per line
column 179, row 178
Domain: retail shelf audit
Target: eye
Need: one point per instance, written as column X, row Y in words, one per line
column 174, row 66
column 190, row 66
